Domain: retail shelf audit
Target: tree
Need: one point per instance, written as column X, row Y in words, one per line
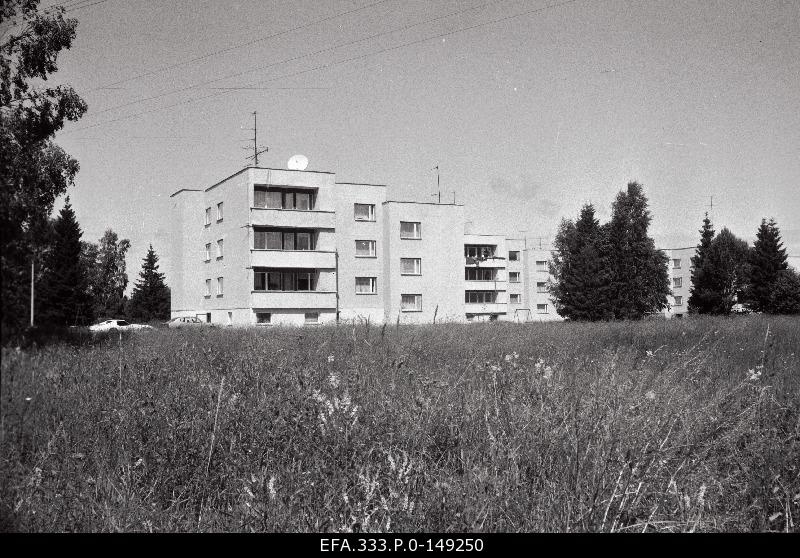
column 785, row 293
column 721, row 277
column 63, row 293
column 150, row 299
column 33, row 170
column 767, row 261
column 108, row 279
column 698, row 302
column 639, row 281
column 579, row 269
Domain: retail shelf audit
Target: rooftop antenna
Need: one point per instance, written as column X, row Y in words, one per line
column 439, row 191
column 257, row 150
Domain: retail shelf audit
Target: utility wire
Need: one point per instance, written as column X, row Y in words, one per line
column 294, row 58
column 330, row 64
column 237, row 46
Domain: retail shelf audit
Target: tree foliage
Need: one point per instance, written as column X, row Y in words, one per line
column 150, row 299
column 613, row 271
column 580, row 281
column 108, row 278
column 767, row 261
column 33, row 170
column 720, row 275
column 785, row 293
column 63, row 293
column 698, row 293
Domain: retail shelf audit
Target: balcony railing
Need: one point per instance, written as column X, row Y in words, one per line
column 303, row 259
column 260, row 216
column 293, row 299
column 487, row 308
column 492, row 261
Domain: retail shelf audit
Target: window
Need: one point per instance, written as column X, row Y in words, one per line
column 411, row 302
column 513, row 256
column 302, row 201
column 541, row 287
column 208, row 252
column 220, row 285
column 219, row 212
column 516, row 298
column 541, row 265
column 283, row 198
column 283, row 240
column 263, row 318
column 283, row 280
column 410, row 266
column 513, row 277
column 677, row 282
column 219, row 249
column 479, row 274
column 208, row 216
column 480, row 251
column 366, row 285
column 676, row 263
column 364, row 212
column 678, row 301
column 480, row 297
column 312, row 317
column 410, row 229
column 541, row 308
column 365, row 248
column 208, row 287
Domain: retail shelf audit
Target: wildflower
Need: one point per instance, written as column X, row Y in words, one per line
column 27, row 399
column 330, row 359
column 333, row 379
column 548, row 373
column 754, row 374
column 651, row 395
column 649, row 353
column 271, row 488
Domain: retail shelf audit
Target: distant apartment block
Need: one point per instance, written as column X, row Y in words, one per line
column 679, row 270
column 273, row 247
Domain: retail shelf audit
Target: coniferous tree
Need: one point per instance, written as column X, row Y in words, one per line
column 638, row 271
column 63, row 294
column 722, row 275
column 701, row 289
column 150, row 299
column 580, row 273
column 767, row 261
column 785, row 293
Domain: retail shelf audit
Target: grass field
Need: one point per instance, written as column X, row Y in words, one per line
column 685, row 425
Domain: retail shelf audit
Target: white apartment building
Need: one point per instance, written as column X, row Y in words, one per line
column 679, row 268
column 272, row 246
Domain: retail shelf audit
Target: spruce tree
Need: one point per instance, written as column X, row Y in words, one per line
column 699, row 292
column 639, row 281
column 721, row 276
column 150, row 299
column 580, row 274
column 62, row 296
column 785, row 293
column 767, row 260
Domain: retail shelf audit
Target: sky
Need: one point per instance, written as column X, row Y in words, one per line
column 528, row 108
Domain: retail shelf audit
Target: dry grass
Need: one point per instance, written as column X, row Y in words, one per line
column 689, row 425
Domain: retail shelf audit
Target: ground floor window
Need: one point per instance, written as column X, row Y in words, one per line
column 312, row 317
column 263, row 318
column 541, row 308
column 515, row 298
column 411, row 302
column 366, row 285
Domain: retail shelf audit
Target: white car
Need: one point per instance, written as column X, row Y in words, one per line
column 117, row 325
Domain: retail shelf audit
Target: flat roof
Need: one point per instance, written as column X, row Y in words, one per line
column 361, row 184
column 185, row 190
column 426, row 203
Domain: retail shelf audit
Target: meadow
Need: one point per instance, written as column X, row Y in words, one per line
column 655, row 426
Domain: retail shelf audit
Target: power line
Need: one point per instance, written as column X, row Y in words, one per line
column 294, row 58
column 330, row 64
column 237, row 46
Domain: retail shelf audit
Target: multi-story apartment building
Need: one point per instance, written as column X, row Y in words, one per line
column 679, row 268
column 271, row 246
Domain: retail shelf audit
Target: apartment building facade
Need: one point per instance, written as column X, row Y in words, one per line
column 679, row 269
column 292, row 247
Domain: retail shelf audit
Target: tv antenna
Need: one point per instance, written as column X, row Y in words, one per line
column 257, row 150
column 439, row 191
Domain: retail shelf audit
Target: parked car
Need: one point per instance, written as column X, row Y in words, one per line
column 117, row 325
column 186, row 321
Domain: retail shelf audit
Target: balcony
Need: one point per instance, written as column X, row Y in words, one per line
column 300, row 259
column 493, row 261
column 293, row 299
column 261, row 216
column 488, row 308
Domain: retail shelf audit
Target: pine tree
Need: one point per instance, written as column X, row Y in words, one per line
column 150, row 299
column 580, row 274
column 638, row 271
column 767, row 260
column 63, row 293
column 699, row 292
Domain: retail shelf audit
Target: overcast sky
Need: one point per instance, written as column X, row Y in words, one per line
column 529, row 108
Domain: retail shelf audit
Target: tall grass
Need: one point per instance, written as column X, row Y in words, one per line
column 689, row 425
